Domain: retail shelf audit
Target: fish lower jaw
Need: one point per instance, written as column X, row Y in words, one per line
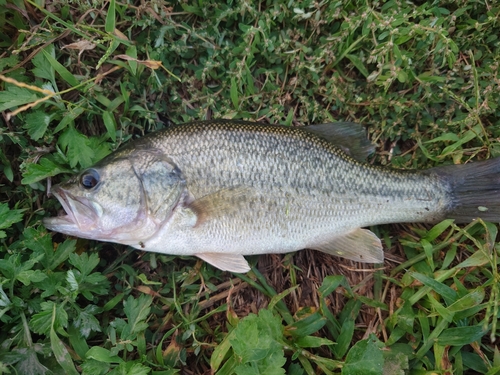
column 54, row 223
column 65, row 224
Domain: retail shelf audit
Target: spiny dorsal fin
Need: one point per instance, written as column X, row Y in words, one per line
column 226, row 262
column 360, row 245
column 348, row 136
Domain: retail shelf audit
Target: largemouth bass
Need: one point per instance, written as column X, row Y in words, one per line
column 222, row 189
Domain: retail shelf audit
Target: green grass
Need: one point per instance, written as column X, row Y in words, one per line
column 82, row 78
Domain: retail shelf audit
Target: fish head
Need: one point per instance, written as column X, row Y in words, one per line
column 124, row 199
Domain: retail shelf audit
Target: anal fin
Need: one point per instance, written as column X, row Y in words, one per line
column 226, row 262
column 360, row 245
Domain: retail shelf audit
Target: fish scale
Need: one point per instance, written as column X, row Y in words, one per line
column 339, row 175
column 223, row 189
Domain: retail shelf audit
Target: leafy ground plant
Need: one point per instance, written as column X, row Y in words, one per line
column 79, row 79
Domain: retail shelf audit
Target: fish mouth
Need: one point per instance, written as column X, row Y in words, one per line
column 81, row 216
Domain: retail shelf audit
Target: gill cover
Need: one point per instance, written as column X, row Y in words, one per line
column 124, row 198
column 162, row 182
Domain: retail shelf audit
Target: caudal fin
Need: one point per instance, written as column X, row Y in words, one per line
column 474, row 190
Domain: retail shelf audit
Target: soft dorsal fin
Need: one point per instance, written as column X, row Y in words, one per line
column 348, row 136
column 360, row 245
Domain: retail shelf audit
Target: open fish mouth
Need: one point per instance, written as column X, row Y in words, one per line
column 79, row 216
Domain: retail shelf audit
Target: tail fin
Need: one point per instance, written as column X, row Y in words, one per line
column 474, row 190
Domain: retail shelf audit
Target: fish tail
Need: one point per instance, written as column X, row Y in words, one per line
column 474, row 190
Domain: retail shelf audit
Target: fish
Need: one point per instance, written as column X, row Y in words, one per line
column 222, row 189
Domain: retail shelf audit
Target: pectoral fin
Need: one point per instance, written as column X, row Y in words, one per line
column 226, row 262
column 360, row 245
column 220, row 203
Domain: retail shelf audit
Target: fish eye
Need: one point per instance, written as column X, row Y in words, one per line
column 89, row 179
